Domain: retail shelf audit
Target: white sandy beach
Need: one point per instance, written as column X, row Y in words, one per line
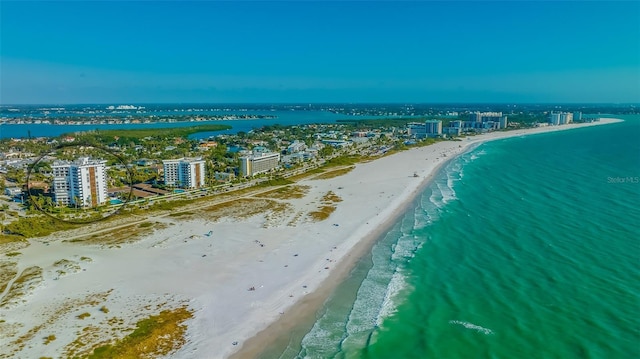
column 284, row 257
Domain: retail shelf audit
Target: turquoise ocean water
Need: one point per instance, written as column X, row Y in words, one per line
column 523, row 248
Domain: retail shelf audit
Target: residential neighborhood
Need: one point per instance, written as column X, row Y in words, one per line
column 98, row 170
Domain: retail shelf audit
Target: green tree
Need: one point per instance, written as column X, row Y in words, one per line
column 16, row 175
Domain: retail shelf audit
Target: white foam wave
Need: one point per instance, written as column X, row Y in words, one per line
column 475, row 155
column 404, row 248
column 447, row 192
column 421, row 218
column 389, row 306
column 472, row 326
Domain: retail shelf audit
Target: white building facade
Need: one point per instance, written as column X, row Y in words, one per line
column 257, row 163
column 560, row 118
column 82, row 182
column 184, row 172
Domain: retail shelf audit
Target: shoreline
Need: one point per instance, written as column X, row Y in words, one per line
column 249, row 281
column 310, row 304
column 302, row 310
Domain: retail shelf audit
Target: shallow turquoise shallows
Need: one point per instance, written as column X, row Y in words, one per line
column 522, row 248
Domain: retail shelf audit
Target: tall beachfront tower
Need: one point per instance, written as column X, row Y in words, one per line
column 256, row 163
column 82, row 182
column 430, row 128
column 560, row 118
column 433, row 128
column 184, row 172
column 577, row 116
column 503, row 122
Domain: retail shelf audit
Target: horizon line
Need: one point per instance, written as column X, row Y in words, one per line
column 322, row 103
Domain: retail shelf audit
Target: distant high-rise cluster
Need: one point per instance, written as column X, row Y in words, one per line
column 184, row 172
column 486, row 120
column 82, row 182
column 478, row 121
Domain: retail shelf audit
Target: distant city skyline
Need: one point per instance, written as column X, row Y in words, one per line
column 319, row 52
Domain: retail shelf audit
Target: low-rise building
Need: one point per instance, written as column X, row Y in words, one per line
column 296, row 146
column 12, row 191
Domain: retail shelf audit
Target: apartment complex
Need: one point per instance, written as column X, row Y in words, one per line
column 486, row 120
column 561, row 118
column 184, row 172
column 82, row 182
column 430, row 128
column 257, row 163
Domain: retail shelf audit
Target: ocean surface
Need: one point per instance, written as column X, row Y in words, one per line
column 527, row 247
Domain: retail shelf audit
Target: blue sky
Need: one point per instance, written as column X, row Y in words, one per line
column 304, row 51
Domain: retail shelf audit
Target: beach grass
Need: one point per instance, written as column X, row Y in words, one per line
column 334, row 173
column 328, row 202
column 330, row 197
column 39, row 226
column 8, row 270
column 52, row 317
column 49, row 338
column 180, row 214
column 322, row 213
column 7, row 238
column 245, row 208
column 123, row 235
column 155, row 336
column 306, row 174
column 64, row 266
column 26, row 281
column 277, row 181
column 288, row 192
column 346, row 160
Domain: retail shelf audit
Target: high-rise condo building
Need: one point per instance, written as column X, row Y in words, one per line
column 430, row 128
column 257, row 163
column 82, row 182
column 577, row 116
column 560, row 118
column 184, row 172
column 433, row 128
column 566, row 118
column 503, row 122
column 417, row 130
